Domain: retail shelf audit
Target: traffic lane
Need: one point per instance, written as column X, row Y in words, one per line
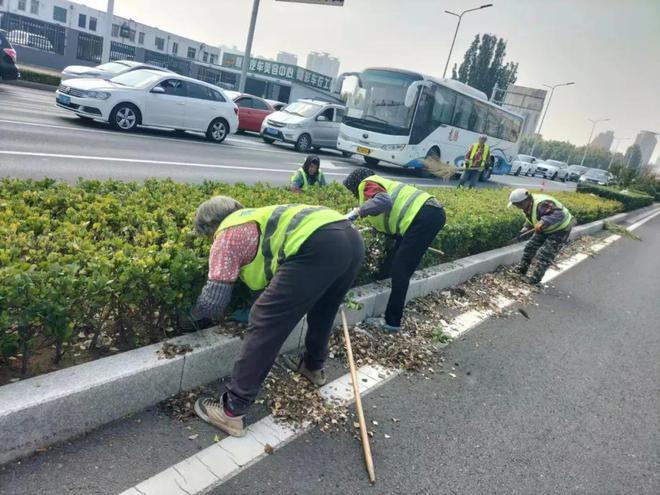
column 565, row 402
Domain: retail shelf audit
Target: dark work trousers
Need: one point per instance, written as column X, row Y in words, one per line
column 313, row 282
column 543, row 249
column 402, row 261
column 469, row 175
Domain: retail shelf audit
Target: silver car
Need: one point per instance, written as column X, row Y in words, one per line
column 306, row 124
column 552, row 169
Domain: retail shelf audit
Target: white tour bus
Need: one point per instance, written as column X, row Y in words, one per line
column 403, row 117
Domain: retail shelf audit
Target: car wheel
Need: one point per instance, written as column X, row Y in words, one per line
column 217, row 131
column 517, row 172
column 346, row 154
column 304, row 143
column 125, row 117
column 371, row 161
column 267, row 140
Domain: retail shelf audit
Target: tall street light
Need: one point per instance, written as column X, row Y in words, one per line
column 538, row 131
column 593, row 127
column 444, row 74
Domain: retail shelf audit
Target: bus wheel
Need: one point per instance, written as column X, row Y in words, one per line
column 433, row 154
column 371, row 161
column 485, row 175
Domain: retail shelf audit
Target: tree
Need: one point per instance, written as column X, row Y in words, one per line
column 633, row 157
column 483, row 65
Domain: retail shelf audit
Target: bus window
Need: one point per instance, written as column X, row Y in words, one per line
column 511, row 129
column 462, row 112
column 422, row 126
column 495, row 123
column 477, row 119
column 443, row 106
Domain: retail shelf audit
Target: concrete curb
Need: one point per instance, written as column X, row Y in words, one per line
column 57, row 406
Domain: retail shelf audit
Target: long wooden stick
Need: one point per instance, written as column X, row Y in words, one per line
column 436, row 251
column 358, row 403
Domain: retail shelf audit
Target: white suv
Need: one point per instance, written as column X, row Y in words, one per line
column 552, row 169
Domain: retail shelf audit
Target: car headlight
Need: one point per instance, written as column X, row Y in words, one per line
column 393, row 147
column 98, row 95
column 293, row 126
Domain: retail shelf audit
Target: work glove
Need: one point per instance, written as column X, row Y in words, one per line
column 538, row 227
column 187, row 323
column 523, row 232
column 352, row 215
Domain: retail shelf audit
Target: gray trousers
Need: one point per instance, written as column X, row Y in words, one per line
column 469, row 175
column 543, row 249
column 313, row 282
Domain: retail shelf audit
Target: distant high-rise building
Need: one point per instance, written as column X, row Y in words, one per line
column 323, row 63
column 604, row 140
column 527, row 102
column 646, row 140
column 287, row 58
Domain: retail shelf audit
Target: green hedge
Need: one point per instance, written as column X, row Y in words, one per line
column 631, row 200
column 120, row 259
column 39, row 77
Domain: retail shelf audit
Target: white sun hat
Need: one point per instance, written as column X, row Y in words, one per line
column 518, row 195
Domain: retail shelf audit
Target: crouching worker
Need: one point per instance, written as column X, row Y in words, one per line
column 552, row 224
column 309, row 175
column 305, row 257
column 413, row 217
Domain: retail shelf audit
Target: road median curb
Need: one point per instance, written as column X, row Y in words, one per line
column 57, row 406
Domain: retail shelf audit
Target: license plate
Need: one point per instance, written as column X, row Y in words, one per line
column 362, row 150
column 270, row 130
column 63, row 99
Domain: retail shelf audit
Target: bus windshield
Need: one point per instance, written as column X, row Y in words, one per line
column 378, row 104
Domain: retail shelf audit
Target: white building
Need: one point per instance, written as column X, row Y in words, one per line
column 646, row 140
column 287, row 58
column 527, row 102
column 323, row 63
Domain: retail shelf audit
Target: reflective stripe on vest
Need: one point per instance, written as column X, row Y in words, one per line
column 406, row 203
column 283, row 229
column 537, row 199
column 484, row 155
column 305, row 180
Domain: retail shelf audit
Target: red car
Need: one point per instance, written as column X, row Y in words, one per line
column 252, row 110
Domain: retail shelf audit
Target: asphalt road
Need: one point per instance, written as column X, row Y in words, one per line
column 38, row 139
column 565, row 402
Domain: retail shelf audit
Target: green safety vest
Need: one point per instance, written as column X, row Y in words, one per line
column 283, row 229
column 406, row 203
column 473, row 152
column 533, row 219
column 305, row 179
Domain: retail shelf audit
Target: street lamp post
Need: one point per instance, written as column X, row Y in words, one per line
column 538, row 131
column 593, row 128
column 107, row 32
column 248, row 46
column 460, row 16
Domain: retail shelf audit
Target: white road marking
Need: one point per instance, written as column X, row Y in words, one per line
column 223, row 460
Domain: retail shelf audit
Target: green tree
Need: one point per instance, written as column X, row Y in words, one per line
column 483, row 65
column 633, row 157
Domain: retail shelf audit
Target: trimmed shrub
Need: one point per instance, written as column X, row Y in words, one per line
column 631, row 200
column 110, row 261
column 39, row 77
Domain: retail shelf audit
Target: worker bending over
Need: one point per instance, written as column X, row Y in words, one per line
column 552, row 224
column 309, row 175
column 413, row 217
column 305, row 257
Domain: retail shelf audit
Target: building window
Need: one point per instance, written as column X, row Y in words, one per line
column 160, row 43
column 214, row 59
column 115, row 30
column 92, row 23
column 82, row 20
column 175, row 48
column 34, row 7
column 59, row 14
column 205, row 56
column 141, row 38
column 21, row 4
column 191, row 52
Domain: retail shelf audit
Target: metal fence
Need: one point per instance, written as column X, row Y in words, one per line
column 90, row 47
column 120, row 51
column 209, row 75
column 178, row 65
column 155, row 58
column 24, row 31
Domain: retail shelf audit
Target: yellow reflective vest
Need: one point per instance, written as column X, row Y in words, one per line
column 473, row 153
column 305, row 179
column 533, row 218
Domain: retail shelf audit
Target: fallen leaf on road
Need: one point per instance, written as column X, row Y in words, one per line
column 387, row 436
column 268, row 449
column 216, row 438
column 192, row 437
column 452, row 375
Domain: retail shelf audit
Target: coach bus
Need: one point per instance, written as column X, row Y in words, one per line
column 403, row 117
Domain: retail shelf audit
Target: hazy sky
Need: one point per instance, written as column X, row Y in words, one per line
column 610, row 48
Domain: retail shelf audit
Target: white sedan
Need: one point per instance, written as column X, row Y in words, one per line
column 106, row 71
column 152, row 98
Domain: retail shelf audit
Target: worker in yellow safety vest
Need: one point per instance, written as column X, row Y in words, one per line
column 475, row 162
column 409, row 215
column 309, row 175
column 551, row 222
column 304, row 258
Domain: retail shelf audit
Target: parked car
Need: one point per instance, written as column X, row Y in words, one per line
column 8, row 69
column 596, row 176
column 523, row 165
column 306, row 124
column 152, row 98
column 552, row 169
column 252, row 110
column 106, row 71
column 277, row 105
column 575, row 172
column 25, row 38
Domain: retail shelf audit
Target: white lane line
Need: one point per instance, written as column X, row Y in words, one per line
column 223, row 460
column 151, row 162
column 641, row 222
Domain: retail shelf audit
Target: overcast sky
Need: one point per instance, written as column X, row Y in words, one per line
column 610, row 48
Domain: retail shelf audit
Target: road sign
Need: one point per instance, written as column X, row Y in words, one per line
column 336, row 3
